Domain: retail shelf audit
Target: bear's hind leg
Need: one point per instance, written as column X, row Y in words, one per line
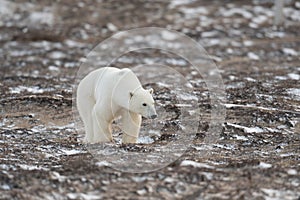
column 85, row 105
column 102, row 129
column 88, row 124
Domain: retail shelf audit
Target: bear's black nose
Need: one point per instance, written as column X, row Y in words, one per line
column 153, row 116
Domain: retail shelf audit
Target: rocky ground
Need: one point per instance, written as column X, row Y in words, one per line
column 257, row 153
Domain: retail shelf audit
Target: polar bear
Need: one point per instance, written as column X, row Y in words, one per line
column 108, row 93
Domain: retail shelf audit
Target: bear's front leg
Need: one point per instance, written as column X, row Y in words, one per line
column 131, row 123
column 101, row 128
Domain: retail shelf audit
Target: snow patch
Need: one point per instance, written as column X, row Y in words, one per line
column 294, row 14
column 290, row 52
column 103, row 164
column 195, row 164
column 5, row 187
column 41, row 18
column 249, row 106
column 154, row 132
column 275, row 194
column 253, row 56
column 264, row 165
column 112, row 27
column 250, row 79
column 163, row 85
column 178, row 62
column 224, row 146
column 282, row 78
column 32, row 167
column 175, row 3
column 53, row 68
column 209, row 34
column 294, row 76
column 145, row 140
column 276, row 34
column 236, row 11
column 292, row 172
column 273, row 130
column 56, row 176
column 71, row 152
column 187, row 97
column 38, row 129
column 7, row 10
column 240, row 137
column 34, row 90
column 72, row 43
column 248, row 43
column 57, row 55
column 168, row 35
column 247, row 129
column 87, row 196
column 294, row 92
column 194, row 12
column 235, row 85
column 260, row 19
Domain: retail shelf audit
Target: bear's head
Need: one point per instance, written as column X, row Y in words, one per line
column 141, row 102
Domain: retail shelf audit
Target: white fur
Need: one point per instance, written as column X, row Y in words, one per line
column 108, row 93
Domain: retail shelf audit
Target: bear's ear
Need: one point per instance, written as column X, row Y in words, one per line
column 130, row 94
column 150, row 91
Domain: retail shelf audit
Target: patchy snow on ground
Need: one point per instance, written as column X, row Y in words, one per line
column 57, row 55
column 193, row 12
column 264, row 165
column 294, row 93
column 176, row 62
column 33, row 89
column 236, row 11
column 169, row 36
column 248, row 43
column 103, row 163
column 175, row 3
column 240, row 137
column 7, row 10
column 71, row 152
column 32, row 167
column 292, row 13
column 145, row 140
column 259, row 19
column 253, row 56
column 41, row 18
column 247, row 129
column 195, row 164
column 89, row 196
column 294, row 76
column 235, row 85
column 224, row 146
column 249, row 79
column 259, row 67
column 281, row 78
column 290, row 52
column 275, row 194
column 188, row 97
column 292, row 172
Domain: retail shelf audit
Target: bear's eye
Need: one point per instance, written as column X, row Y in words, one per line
column 144, row 104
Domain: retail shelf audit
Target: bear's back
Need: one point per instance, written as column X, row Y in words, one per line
column 110, row 82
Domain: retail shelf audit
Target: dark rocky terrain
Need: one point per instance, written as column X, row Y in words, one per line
column 257, row 153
